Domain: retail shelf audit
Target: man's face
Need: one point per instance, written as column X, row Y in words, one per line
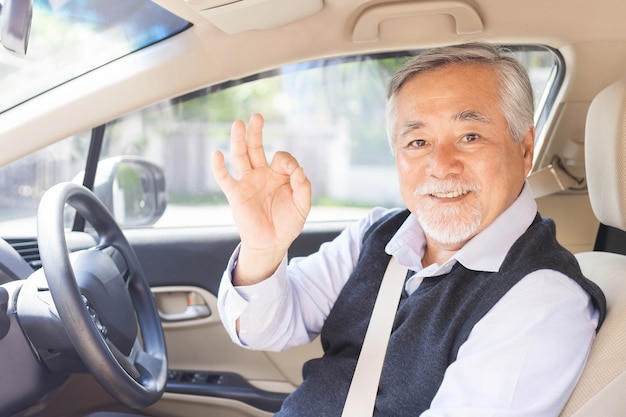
column 458, row 165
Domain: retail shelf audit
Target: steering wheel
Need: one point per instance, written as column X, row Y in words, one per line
column 102, row 298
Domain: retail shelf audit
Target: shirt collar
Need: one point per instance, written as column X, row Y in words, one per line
column 484, row 252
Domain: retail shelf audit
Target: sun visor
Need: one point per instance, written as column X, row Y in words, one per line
column 244, row 15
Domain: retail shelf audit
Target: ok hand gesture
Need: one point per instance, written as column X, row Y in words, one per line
column 270, row 202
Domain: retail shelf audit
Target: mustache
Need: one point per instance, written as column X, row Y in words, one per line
column 436, row 187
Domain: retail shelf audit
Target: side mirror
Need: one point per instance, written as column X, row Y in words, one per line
column 16, row 17
column 133, row 189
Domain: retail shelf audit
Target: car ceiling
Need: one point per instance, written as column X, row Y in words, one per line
column 589, row 35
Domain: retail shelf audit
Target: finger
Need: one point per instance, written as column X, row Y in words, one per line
column 238, row 148
column 254, row 141
column 223, row 178
column 284, row 163
column 301, row 187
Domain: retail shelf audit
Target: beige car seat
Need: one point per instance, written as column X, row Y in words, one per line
column 601, row 391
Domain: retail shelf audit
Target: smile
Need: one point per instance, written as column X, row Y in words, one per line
column 451, row 194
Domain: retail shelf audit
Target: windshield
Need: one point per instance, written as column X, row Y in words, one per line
column 71, row 37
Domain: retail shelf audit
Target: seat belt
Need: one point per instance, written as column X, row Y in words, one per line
column 364, row 386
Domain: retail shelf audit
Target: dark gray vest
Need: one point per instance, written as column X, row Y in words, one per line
column 430, row 325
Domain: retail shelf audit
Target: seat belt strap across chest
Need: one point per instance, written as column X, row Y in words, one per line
column 364, row 386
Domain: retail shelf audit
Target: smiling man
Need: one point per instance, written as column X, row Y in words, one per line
column 459, row 166
column 495, row 318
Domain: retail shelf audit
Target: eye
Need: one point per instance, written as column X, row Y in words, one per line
column 417, row 143
column 471, row 137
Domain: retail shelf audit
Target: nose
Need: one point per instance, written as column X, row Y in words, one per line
column 444, row 161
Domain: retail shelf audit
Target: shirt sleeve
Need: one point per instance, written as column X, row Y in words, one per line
column 524, row 357
column 289, row 307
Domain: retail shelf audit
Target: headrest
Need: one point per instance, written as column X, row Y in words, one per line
column 605, row 155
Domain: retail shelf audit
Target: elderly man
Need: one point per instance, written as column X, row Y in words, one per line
column 495, row 318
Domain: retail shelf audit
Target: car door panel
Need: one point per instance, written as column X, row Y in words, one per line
column 184, row 267
column 197, row 256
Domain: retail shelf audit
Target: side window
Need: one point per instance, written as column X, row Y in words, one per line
column 329, row 114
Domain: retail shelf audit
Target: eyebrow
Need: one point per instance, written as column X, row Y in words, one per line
column 410, row 126
column 471, row 116
column 465, row 115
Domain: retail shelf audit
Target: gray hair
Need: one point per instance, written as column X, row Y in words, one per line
column 516, row 95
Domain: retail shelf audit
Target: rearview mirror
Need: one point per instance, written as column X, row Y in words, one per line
column 133, row 189
column 16, row 17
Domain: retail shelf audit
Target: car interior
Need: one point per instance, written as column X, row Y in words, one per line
column 109, row 111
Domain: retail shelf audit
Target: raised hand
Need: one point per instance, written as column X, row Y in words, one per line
column 270, row 202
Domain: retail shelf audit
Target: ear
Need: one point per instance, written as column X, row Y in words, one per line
column 527, row 146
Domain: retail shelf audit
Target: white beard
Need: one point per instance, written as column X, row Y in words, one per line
column 448, row 223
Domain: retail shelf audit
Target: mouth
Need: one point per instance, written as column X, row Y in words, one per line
column 450, row 194
column 446, row 190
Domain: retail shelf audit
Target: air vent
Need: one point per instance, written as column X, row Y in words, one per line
column 28, row 250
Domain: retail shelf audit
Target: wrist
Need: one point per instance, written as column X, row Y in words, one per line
column 253, row 266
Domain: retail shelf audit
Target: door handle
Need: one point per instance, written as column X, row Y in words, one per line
column 181, row 304
column 192, row 312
